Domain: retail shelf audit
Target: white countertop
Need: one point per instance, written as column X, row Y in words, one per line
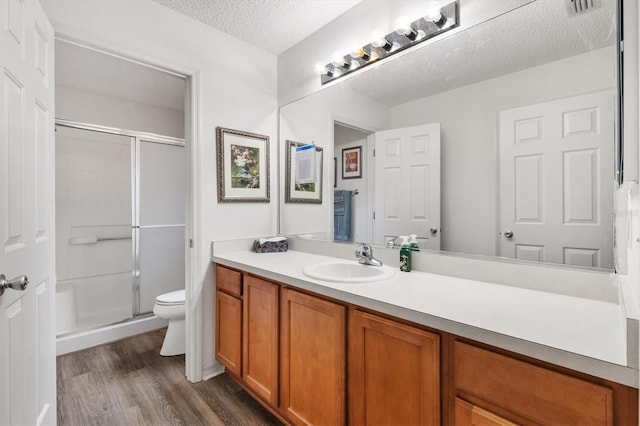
column 540, row 322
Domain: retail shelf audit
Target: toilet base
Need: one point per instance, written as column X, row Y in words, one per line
column 174, row 339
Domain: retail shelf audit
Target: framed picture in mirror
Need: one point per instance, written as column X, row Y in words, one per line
column 352, row 162
column 304, row 193
column 243, row 166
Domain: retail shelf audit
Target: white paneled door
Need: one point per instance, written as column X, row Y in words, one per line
column 27, row 339
column 556, row 174
column 407, row 184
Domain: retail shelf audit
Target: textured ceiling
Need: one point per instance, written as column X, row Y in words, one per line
column 274, row 25
column 534, row 34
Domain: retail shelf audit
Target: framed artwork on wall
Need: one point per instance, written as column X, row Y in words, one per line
column 243, row 166
column 352, row 162
column 304, row 193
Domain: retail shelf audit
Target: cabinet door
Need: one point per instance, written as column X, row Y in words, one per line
column 539, row 394
column 260, row 338
column 394, row 373
column 229, row 332
column 469, row 415
column 313, row 358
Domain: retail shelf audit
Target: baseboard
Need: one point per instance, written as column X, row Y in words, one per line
column 212, row 370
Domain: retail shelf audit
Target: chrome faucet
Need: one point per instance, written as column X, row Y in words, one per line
column 366, row 256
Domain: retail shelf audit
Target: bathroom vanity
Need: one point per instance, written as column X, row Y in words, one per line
column 418, row 348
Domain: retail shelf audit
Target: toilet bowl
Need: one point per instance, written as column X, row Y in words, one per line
column 171, row 306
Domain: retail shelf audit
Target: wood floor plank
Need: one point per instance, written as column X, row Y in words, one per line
column 129, row 383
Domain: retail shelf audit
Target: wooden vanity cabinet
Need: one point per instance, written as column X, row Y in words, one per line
column 394, row 372
column 260, row 337
column 229, row 319
column 496, row 389
column 312, row 359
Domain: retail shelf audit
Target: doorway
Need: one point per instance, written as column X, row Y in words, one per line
column 104, row 100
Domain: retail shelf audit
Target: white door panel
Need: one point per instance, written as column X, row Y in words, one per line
column 407, row 175
column 27, row 340
column 556, row 171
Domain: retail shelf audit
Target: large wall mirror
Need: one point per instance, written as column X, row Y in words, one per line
column 498, row 141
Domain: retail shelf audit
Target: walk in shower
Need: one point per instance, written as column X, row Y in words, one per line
column 120, row 224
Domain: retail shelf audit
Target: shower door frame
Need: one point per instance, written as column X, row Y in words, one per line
column 137, row 138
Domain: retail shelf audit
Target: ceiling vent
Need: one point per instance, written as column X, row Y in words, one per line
column 579, row 7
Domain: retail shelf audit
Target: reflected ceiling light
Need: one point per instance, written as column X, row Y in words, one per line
column 435, row 21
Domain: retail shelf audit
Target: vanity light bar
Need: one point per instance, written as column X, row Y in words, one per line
column 418, row 31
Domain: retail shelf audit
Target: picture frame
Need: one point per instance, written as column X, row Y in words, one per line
column 243, row 166
column 305, row 193
column 352, row 162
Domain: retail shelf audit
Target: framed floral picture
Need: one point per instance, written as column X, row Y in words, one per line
column 352, row 162
column 243, row 166
column 305, row 193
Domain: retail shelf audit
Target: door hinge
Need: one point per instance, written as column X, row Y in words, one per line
column 190, row 242
column 374, row 215
column 374, row 152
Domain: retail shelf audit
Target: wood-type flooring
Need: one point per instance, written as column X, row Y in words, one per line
column 129, row 383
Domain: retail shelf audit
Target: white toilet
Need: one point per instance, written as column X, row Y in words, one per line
column 171, row 306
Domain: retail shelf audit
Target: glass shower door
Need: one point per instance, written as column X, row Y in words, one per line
column 160, row 229
column 93, row 229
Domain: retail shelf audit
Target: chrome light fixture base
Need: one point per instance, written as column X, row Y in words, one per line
column 421, row 27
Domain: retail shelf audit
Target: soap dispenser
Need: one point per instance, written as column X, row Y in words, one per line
column 413, row 242
column 405, row 255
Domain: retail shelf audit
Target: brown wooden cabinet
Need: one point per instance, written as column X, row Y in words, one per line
column 229, row 332
column 470, row 415
column 394, row 372
column 229, row 319
column 295, row 352
column 526, row 393
column 312, row 359
column 260, row 338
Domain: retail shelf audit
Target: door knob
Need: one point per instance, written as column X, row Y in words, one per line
column 508, row 234
column 433, row 230
column 17, row 283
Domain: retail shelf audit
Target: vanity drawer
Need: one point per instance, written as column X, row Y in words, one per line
column 229, row 280
column 539, row 394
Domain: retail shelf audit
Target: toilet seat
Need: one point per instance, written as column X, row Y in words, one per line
column 171, row 299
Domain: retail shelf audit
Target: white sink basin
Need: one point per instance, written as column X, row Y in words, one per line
column 348, row 272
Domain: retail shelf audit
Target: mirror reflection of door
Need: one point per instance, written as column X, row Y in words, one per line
column 556, row 174
column 407, row 185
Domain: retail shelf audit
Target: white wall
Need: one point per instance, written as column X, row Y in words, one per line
column 469, row 122
column 296, row 75
column 93, row 108
column 236, row 88
column 312, row 120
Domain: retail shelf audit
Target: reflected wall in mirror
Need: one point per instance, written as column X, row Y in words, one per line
column 525, row 105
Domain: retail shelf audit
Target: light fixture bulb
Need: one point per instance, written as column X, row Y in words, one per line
column 379, row 40
column 403, row 25
column 359, row 52
column 433, row 13
column 320, row 68
column 337, row 59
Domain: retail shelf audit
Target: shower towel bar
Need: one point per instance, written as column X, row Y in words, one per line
column 74, row 241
